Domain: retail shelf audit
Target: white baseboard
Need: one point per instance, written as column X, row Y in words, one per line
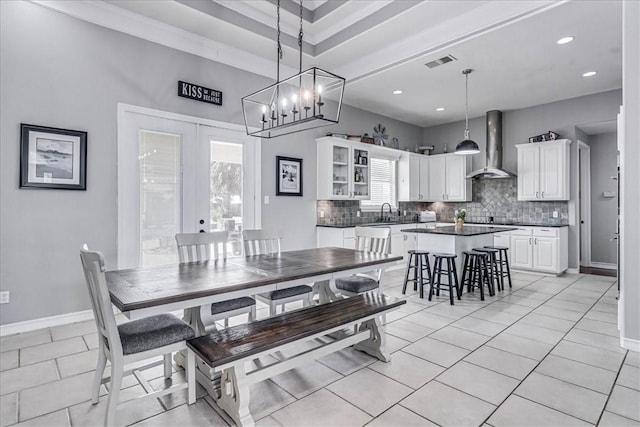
column 629, row 344
column 45, row 322
column 605, row 265
column 573, row 270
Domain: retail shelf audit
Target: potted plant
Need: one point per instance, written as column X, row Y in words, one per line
column 460, row 215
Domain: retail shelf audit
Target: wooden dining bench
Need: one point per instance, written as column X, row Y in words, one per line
column 229, row 350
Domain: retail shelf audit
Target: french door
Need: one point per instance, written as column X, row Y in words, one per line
column 181, row 174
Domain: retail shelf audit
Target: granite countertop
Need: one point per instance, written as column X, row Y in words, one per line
column 371, row 224
column 479, row 224
column 467, row 230
column 517, row 224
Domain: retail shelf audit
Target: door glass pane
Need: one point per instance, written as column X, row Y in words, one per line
column 160, row 197
column 226, row 192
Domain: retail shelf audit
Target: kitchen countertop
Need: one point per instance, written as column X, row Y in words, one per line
column 467, row 230
column 480, row 224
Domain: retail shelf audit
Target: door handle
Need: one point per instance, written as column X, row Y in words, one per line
column 537, row 194
column 613, row 239
column 530, row 240
column 535, row 241
column 542, row 195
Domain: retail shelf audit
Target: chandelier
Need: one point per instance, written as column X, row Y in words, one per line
column 307, row 100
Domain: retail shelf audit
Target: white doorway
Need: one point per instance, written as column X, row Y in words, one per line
column 181, row 174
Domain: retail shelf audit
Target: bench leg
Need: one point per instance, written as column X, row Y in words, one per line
column 376, row 344
column 191, row 377
column 234, row 398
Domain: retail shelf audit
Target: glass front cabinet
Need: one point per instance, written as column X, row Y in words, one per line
column 343, row 169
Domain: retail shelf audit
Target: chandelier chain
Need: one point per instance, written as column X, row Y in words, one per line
column 300, row 35
column 279, row 47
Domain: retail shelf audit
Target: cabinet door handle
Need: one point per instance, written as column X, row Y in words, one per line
column 530, row 240
column 542, row 195
column 537, row 195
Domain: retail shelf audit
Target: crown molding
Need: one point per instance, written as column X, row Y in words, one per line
column 118, row 19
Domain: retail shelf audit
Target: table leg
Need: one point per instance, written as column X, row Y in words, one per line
column 376, row 345
column 327, row 291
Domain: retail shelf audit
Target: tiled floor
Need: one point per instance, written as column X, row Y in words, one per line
column 543, row 353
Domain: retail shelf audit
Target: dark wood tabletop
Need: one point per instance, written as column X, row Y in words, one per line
column 139, row 288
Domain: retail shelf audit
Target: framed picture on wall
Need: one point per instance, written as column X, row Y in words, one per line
column 53, row 158
column 288, row 176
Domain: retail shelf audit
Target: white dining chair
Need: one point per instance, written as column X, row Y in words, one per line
column 257, row 242
column 197, row 247
column 368, row 239
column 132, row 342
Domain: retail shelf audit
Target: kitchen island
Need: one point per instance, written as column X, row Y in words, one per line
column 448, row 239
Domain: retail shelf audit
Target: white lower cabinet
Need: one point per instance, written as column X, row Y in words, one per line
column 539, row 249
column 399, row 243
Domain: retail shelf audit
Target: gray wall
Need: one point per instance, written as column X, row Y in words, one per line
column 604, row 211
column 62, row 72
column 518, row 125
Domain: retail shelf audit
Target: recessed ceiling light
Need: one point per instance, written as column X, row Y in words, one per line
column 440, row 109
column 397, row 92
column 565, row 40
column 589, row 74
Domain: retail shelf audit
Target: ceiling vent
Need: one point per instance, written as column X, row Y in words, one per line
column 441, row 61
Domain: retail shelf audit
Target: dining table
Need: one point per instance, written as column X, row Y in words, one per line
column 145, row 291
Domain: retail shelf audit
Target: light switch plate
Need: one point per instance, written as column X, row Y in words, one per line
column 358, row 214
column 266, row 200
column 555, row 214
column 321, row 214
column 4, row 297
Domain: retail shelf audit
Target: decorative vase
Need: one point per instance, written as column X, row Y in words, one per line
column 459, row 223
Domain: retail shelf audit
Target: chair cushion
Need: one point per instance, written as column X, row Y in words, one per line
column 356, row 284
column 153, row 332
column 288, row 292
column 232, row 304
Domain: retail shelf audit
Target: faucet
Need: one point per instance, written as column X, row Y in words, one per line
column 382, row 211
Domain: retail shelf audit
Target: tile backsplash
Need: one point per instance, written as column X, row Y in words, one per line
column 491, row 197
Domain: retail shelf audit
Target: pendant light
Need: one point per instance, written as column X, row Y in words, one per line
column 467, row 145
column 295, row 104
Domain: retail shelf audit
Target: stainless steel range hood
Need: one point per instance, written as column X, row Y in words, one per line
column 494, row 150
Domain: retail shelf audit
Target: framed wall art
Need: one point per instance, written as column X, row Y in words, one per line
column 52, row 158
column 288, row 176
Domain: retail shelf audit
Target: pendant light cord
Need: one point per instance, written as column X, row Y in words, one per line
column 466, row 103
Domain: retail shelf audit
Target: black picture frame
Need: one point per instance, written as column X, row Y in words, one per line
column 288, row 176
column 52, row 158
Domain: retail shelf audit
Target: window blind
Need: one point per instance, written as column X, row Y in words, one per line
column 383, row 183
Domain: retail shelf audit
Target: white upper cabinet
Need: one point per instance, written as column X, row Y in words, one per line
column 528, row 171
column 447, row 178
column 458, row 186
column 343, row 170
column 543, row 170
column 413, row 177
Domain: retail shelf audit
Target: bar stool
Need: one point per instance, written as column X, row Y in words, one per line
column 492, row 267
column 475, row 272
column 503, row 262
column 419, row 262
column 451, row 273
